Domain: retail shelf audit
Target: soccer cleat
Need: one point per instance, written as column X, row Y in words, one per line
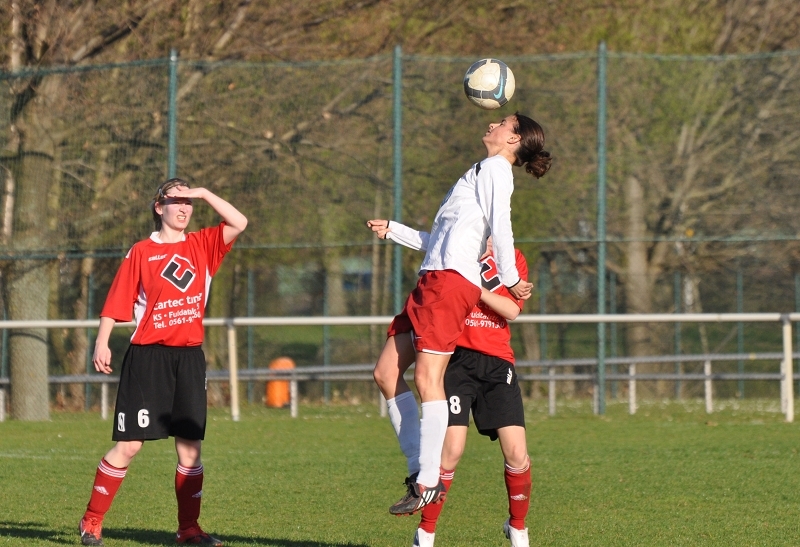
column 423, row 538
column 418, row 496
column 196, row 536
column 519, row 538
column 409, row 482
column 91, row 531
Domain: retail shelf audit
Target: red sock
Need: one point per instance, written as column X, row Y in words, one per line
column 107, row 480
column 518, row 486
column 189, row 491
column 431, row 512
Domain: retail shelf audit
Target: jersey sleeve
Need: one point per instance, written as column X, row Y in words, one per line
column 408, row 237
column 494, row 188
column 522, row 268
column 211, row 239
column 124, row 289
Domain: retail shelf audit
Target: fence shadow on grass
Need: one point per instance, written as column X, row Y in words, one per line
column 33, row 531
column 153, row 537
column 37, row 531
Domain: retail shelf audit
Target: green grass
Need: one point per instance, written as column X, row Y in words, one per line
column 671, row 475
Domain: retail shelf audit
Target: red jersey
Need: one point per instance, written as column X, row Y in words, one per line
column 165, row 286
column 484, row 329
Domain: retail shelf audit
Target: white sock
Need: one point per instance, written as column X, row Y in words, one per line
column 423, row 538
column 404, row 415
column 432, row 430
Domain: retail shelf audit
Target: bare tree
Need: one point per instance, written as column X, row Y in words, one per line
column 707, row 169
column 51, row 33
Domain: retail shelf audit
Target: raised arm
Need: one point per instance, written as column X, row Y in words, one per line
column 235, row 222
column 400, row 233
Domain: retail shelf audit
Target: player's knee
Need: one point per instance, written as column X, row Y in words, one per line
column 451, row 456
column 383, row 378
column 424, row 379
column 377, row 375
column 517, row 459
column 188, row 452
column 128, row 449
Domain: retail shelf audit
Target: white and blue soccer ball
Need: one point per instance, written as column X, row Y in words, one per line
column 489, row 83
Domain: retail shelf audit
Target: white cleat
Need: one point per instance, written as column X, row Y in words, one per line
column 519, row 538
column 424, row 539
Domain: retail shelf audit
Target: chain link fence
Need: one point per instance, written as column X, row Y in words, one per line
column 702, row 163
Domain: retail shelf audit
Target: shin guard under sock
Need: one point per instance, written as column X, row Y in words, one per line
column 518, row 486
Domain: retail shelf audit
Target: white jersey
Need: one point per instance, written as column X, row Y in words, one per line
column 477, row 206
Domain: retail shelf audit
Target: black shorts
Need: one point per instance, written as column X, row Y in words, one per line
column 488, row 386
column 162, row 393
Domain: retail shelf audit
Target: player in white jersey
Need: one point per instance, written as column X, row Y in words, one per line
column 480, row 378
column 163, row 283
column 426, row 331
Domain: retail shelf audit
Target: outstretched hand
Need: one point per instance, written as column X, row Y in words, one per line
column 380, row 227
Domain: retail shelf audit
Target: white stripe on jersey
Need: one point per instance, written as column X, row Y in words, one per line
column 139, row 307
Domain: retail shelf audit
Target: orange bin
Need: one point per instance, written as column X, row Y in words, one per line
column 278, row 390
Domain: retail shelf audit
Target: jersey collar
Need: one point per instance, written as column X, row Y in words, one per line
column 154, row 237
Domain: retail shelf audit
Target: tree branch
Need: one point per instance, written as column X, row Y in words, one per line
column 100, row 42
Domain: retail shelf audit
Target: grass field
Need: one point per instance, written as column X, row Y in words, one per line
column 671, row 475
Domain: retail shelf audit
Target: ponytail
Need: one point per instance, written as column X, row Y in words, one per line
column 531, row 152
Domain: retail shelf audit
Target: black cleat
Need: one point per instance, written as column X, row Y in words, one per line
column 410, row 482
column 418, row 496
column 196, row 536
column 91, row 531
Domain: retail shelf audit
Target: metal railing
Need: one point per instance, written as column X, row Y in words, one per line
column 362, row 372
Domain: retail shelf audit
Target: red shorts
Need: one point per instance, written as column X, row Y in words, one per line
column 435, row 311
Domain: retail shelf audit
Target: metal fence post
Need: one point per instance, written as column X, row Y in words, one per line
column 383, row 406
column 632, row 389
column 740, row 327
column 233, row 366
column 104, row 401
column 293, row 397
column 677, row 296
column 326, row 341
column 87, row 388
column 397, row 107
column 251, row 310
column 601, row 226
column 708, row 387
column 787, row 366
column 172, row 115
column 796, row 309
column 551, row 385
column 612, row 309
column 4, row 365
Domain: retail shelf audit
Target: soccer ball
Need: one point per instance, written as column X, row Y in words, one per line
column 489, row 83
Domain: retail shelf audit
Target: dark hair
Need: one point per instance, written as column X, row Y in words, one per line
column 531, row 152
column 161, row 196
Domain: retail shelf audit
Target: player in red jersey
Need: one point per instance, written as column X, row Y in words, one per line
column 163, row 283
column 480, row 376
